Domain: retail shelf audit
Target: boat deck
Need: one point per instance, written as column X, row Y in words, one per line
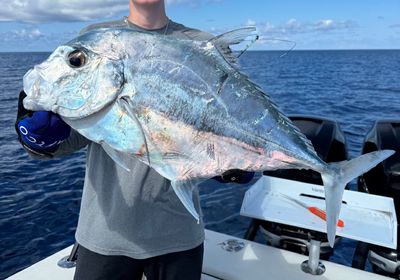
column 254, row 262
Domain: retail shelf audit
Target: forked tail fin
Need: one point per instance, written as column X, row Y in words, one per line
column 336, row 179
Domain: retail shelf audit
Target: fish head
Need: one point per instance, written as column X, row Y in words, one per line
column 79, row 78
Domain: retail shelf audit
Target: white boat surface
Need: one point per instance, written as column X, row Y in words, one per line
column 254, row 261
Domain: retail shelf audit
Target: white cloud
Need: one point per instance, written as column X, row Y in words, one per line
column 293, row 24
column 23, row 34
column 284, row 36
column 293, row 27
column 57, row 10
column 251, row 22
column 329, row 24
column 33, row 39
column 70, row 10
column 325, row 22
column 36, row 32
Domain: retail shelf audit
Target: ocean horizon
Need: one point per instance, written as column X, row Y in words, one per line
column 40, row 200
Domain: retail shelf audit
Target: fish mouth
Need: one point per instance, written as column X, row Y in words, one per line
column 38, row 92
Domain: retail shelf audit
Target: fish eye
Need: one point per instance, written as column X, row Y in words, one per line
column 76, row 58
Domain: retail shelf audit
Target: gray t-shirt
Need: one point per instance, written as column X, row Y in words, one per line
column 137, row 213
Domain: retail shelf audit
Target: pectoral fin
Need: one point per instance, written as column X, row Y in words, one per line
column 118, row 157
column 184, row 191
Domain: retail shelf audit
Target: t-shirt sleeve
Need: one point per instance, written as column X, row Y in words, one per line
column 72, row 144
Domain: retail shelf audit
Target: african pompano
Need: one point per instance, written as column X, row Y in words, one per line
column 180, row 106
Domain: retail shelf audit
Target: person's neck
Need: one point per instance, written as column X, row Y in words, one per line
column 148, row 16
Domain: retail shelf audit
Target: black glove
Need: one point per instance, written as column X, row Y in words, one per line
column 235, row 176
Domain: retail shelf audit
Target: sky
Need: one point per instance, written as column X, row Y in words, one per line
column 42, row 25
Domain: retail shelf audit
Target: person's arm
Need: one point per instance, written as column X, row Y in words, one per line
column 44, row 135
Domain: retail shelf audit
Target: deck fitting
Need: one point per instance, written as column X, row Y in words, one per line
column 313, row 265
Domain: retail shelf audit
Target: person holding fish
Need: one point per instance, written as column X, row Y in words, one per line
column 160, row 108
column 131, row 223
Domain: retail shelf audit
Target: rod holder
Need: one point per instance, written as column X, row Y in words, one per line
column 313, row 265
column 69, row 261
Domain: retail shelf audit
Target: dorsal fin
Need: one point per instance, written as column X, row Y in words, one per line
column 237, row 36
column 232, row 37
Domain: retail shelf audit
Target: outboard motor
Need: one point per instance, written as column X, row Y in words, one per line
column 384, row 180
column 329, row 142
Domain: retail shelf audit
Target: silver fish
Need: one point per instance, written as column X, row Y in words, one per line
column 180, row 106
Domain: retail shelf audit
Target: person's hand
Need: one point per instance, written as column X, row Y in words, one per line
column 43, row 131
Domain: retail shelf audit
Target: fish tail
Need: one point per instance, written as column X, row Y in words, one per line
column 336, row 179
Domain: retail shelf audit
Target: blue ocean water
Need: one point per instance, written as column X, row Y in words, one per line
column 39, row 200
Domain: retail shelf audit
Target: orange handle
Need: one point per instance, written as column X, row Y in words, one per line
column 320, row 213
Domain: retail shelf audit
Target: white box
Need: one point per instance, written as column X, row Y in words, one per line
column 366, row 217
